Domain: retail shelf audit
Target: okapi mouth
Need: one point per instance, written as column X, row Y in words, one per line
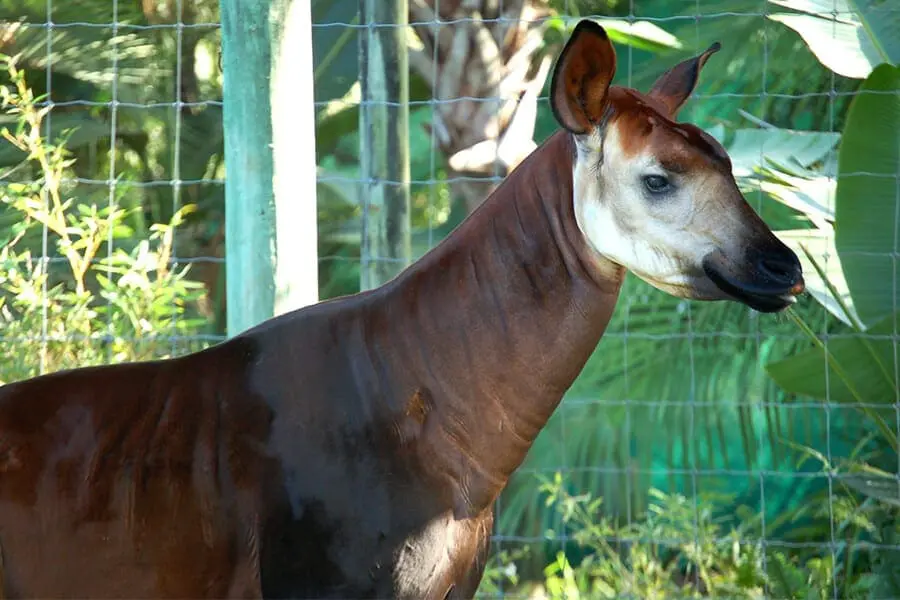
column 775, row 285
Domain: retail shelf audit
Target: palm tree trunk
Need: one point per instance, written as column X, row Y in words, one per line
column 486, row 63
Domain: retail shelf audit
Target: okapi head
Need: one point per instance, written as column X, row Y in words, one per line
column 656, row 196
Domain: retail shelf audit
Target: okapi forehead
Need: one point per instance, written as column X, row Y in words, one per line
column 644, row 127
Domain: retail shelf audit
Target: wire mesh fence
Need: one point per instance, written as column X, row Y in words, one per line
column 720, row 458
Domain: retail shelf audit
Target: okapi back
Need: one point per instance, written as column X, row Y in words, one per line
column 106, row 470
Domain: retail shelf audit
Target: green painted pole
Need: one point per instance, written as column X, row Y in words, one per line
column 384, row 139
column 294, row 148
column 270, row 194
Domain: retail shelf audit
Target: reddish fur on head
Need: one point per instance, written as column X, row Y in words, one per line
column 681, row 147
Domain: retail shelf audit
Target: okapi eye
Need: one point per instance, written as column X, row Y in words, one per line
column 656, row 184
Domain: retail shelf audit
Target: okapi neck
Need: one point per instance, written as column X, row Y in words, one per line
column 498, row 321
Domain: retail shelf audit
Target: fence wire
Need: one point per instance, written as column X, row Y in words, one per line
column 680, row 401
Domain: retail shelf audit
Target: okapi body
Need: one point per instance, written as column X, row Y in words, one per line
column 355, row 448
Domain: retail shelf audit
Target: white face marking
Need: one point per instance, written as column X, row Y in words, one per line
column 660, row 238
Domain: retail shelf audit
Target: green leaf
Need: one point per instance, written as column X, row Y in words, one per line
column 643, row 35
column 866, row 210
column 882, row 487
column 86, row 53
column 86, row 130
column 867, row 362
column 749, row 149
column 811, row 193
column 820, row 244
column 850, row 37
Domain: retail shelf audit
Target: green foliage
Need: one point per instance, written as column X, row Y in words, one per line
column 862, row 279
column 677, row 550
column 867, row 204
column 642, row 35
column 858, row 368
column 751, row 73
column 857, row 371
column 753, row 149
column 501, row 573
column 84, row 54
column 155, row 143
column 77, row 310
column 680, row 547
column 850, row 37
column 864, row 504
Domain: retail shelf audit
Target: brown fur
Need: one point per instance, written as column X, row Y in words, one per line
column 682, row 147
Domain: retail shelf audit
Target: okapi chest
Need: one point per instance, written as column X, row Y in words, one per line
column 355, row 448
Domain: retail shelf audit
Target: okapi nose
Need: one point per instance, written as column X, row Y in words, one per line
column 782, row 271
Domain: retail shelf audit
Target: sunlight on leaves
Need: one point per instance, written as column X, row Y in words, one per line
column 850, row 37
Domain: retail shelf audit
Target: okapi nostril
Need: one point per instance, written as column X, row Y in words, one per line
column 782, row 271
column 776, row 268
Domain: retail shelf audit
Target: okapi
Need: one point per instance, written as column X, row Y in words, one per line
column 355, row 448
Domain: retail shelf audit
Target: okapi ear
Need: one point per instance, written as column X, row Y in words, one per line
column 675, row 85
column 580, row 83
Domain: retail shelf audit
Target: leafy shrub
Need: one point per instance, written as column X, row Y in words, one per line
column 680, row 548
column 71, row 308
